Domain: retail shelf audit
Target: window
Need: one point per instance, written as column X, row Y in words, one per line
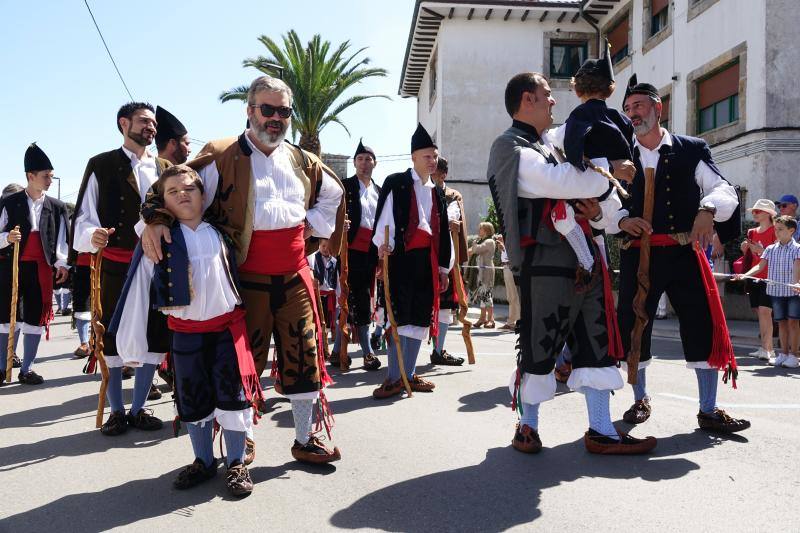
column 432, row 78
column 618, row 39
column 566, row 57
column 718, row 99
column 659, row 12
column 665, row 100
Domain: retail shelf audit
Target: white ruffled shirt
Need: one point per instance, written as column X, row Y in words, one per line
column 212, row 294
column 279, row 196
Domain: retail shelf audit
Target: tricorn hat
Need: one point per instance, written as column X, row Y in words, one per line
column 362, row 149
column 640, row 88
column 421, row 139
column 169, row 127
column 36, row 159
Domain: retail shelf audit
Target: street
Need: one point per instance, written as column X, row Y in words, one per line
column 440, row 461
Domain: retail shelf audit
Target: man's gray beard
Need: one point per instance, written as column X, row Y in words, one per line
column 268, row 140
column 646, row 124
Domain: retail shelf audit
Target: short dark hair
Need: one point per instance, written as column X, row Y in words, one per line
column 525, row 82
column 441, row 165
column 127, row 111
column 177, row 170
column 589, row 84
column 787, row 221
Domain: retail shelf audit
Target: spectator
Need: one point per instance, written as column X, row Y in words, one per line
column 484, row 248
column 753, row 246
column 511, row 288
column 788, row 206
column 782, row 260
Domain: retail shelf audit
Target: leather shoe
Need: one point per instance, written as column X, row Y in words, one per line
column 720, row 421
column 639, row 412
column 626, row 445
column 526, row 439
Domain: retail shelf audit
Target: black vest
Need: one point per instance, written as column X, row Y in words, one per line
column 677, row 194
column 352, row 198
column 118, row 198
column 401, row 185
column 53, row 217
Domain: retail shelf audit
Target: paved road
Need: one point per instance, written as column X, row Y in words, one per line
column 436, row 462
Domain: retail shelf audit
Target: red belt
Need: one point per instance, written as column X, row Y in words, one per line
column 118, row 255
column 276, row 252
column 721, row 356
column 362, row 241
column 84, row 259
column 235, row 323
column 330, row 302
column 283, row 252
column 34, row 253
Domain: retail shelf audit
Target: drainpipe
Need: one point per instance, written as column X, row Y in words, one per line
column 585, row 16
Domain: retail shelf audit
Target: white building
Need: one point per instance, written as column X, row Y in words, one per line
column 725, row 69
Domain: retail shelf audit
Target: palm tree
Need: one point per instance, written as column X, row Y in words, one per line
column 317, row 79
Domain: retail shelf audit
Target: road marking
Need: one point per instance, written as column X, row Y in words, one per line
column 735, row 405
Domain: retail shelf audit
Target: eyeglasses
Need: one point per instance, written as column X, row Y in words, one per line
column 269, row 110
column 784, row 204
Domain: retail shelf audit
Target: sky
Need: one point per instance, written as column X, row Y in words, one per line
column 60, row 88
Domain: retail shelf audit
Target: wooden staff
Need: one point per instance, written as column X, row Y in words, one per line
column 643, row 279
column 390, row 312
column 98, row 330
column 12, row 323
column 462, row 303
column 344, row 308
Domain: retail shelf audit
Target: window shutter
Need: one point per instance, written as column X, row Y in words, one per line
column 718, row 87
column 618, row 36
column 656, row 6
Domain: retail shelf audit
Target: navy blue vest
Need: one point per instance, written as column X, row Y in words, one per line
column 54, row 215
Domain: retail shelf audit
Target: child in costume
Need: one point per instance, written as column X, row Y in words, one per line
column 196, row 286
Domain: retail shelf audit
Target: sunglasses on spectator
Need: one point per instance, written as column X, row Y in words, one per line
column 268, row 110
column 757, row 211
column 784, row 204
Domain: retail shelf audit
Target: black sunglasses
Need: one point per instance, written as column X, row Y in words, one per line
column 269, row 110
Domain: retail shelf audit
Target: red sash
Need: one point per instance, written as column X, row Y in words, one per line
column 329, row 297
column 118, row 255
column 721, row 356
column 233, row 322
column 34, row 253
column 420, row 240
column 362, row 241
column 282, row 252
column 84, row 259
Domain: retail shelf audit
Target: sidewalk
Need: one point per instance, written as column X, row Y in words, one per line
column 743, row 332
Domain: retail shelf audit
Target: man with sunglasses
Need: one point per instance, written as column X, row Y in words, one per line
column 787, row 205
column 114, row 185
column 692, row 199
column 274, row 201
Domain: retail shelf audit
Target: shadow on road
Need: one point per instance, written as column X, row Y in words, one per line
column 501, row 492
column 16, row 388
column 114, row 507
column 86, row 443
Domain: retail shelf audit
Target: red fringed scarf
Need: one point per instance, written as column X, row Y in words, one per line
column 721, row 356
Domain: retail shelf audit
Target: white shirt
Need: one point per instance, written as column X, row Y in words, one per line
column 35, row 209
column 714, row 189
column 278, row 194
column 212, row 294
column 327, row 263
column 368, row 198
column 87, row 221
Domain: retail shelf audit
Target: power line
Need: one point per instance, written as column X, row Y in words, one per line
column 107, row 50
